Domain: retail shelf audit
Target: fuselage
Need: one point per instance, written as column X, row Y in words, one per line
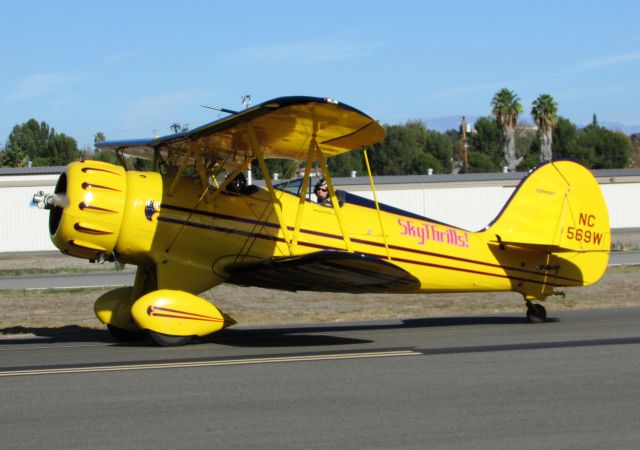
column 190, row 237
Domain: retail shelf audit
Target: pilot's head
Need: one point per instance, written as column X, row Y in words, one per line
column 238, row 184
column 320, row 187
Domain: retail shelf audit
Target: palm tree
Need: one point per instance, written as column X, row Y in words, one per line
column 544, row 114
column 505, row 108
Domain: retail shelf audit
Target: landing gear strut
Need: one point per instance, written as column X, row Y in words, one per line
column 536, row 313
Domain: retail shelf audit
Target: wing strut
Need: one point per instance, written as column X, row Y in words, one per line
column 121, row 159
column 375, row 199
column 183, row 163
column 277, row 206
column 334, row 199
column 303, row 190
column 206, row 194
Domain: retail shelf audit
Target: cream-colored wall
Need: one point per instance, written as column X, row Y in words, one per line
column 468, row 205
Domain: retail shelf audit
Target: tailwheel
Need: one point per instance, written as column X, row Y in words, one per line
column 536, row 313
column 124, row 335
column 167, row 340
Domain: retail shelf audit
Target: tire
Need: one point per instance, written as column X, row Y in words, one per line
column 167, row 340
column 124, row 335
column 536, row 313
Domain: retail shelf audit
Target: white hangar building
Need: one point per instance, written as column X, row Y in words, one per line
column 468, row 201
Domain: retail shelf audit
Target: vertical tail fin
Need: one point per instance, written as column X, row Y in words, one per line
column 559, row 209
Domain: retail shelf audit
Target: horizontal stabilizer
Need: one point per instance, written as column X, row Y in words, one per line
column 538, row 248
column 325, row 271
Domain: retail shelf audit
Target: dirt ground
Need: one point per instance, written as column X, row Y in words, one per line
column 49, row 312
column 52, row 312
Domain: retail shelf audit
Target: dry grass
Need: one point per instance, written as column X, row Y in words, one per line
column 28, row 310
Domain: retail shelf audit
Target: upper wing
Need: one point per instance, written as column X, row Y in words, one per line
column 326, row 271
column 283, row 127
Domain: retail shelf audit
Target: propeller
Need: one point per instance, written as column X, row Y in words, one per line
column 43, row 200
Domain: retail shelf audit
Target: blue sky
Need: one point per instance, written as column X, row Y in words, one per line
column 129, row 68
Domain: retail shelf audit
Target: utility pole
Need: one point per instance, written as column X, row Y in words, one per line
column 464, row 145
column 246, row 102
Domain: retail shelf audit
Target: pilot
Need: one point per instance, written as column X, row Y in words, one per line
column 322, row 194
column 238, row 185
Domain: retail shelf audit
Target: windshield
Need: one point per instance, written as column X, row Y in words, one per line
column 293, row 186
column 290, row 186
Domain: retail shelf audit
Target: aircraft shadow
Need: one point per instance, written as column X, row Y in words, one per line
column 285, row 336
column 276, row 338
column 68, row 333
column 310, row 335
column 239, row 338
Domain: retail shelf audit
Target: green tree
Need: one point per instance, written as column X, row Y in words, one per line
column 439, row 149
column 411, row 149
column 103, row 155
column 99, row 137
column 285, row 168
column 486, row 140
column 62, row 150
column 481, row 162
column 525, row 137
column 544, row 112
column 565, row 138
column 531, row 158
column 635, row 142
column 106, row 156
column 505, row 107
column 396, row 154
column 607, row 149
column 342, row 165
column 40, row 144
column 12, row 158
column 30, row 139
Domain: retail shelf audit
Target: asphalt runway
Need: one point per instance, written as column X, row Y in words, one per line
column 470, row 382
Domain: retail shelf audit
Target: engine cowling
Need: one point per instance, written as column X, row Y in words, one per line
column 99, row 199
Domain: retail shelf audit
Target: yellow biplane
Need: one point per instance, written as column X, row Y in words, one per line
column 193, row 222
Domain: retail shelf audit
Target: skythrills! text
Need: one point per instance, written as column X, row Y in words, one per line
column 432, row 232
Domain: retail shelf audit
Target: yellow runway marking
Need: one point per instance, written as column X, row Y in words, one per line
column 227, row 362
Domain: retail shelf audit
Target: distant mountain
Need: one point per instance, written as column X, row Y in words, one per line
column 617, row 126
column 443, row 124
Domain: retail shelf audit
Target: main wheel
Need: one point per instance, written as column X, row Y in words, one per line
column 124, row 335
column 167, row 340
column 536, row 313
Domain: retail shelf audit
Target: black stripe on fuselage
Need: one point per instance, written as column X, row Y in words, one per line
column 356, row 240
